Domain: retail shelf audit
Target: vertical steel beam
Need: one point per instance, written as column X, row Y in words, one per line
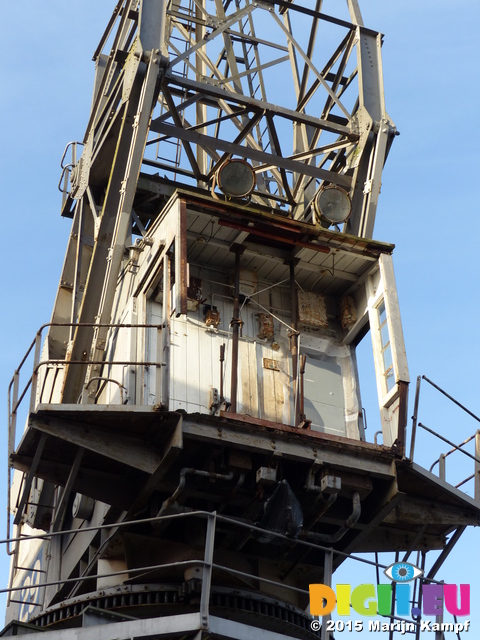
column 152, row 25
column 439, row 635
column 207, row 569
column 420, row 592
column 201, row 72
column 415, row 417
column 355, row 14
column 181, row 259
column 36, row 360
column 28, row 479
column 327, row 580
column 392, row 610
column 235, row 330
column 376, row 132
column 114, row 226
column 294, row 340
column 442, row 469
column 166, row 333
column 62, row 503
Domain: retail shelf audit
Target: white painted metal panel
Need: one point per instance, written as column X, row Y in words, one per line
column 153, row 353
column 120, row 347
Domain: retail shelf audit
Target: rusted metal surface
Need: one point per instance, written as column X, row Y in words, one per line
column 312, row 310
column 348, row 312
column 235, row 323
column 222, row 360
column 265, row 326
column 368, row 448
column 212, row 318
column 293, row 336
column 272, row 365
column 272, row 235
column 326, row 238
column 194, row 293
column 402, row 419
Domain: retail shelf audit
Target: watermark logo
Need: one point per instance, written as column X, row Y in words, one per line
column 392, row 599
column 403, row 572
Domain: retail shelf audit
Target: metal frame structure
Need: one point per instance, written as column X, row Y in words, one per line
column 190, row 62
column 131, row 414
column 204, row 615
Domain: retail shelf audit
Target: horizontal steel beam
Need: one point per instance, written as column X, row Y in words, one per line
column 312, row 447
column 253, row 154
column 209, row 88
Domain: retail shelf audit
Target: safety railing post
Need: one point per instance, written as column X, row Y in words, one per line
column 442, row 467
column 207, row 569
column 415, row 417
column 12, row 413
column 477, row 466
column 439, row 635
column 327, row 579
column 36, row 361
column 12, row 430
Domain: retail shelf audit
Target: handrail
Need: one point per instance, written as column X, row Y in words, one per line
column 15, row 396
column 67, row 169
column 447, row 395
column 73, row 144
column 105, row 380
column 442, row 457
column 13, row 405
column 66, row 361
column 457, row 486
column 206, row 563
column 198, row 513
column 448, row 442
column 455, row 447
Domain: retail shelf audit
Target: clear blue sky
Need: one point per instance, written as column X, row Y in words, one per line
column 428, row 205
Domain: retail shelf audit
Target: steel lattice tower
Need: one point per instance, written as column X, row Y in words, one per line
column 195, row 450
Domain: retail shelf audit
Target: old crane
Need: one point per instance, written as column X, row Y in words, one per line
column 195, row 451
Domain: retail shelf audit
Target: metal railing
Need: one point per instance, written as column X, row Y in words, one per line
column 206, row 566
column 441, row 460
column 68, row 168
column 17, row 392
column 15, row 396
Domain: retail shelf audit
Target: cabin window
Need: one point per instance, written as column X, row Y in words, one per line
column 386, row 348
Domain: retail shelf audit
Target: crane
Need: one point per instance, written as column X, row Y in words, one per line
column 195, row 451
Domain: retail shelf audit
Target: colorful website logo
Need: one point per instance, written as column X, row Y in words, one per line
column 393, row 599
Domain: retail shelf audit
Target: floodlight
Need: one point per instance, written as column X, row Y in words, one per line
column 236, row 179
column 332, row 205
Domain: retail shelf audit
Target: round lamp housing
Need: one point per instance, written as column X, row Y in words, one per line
column 332, row 205
column 236, row 179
